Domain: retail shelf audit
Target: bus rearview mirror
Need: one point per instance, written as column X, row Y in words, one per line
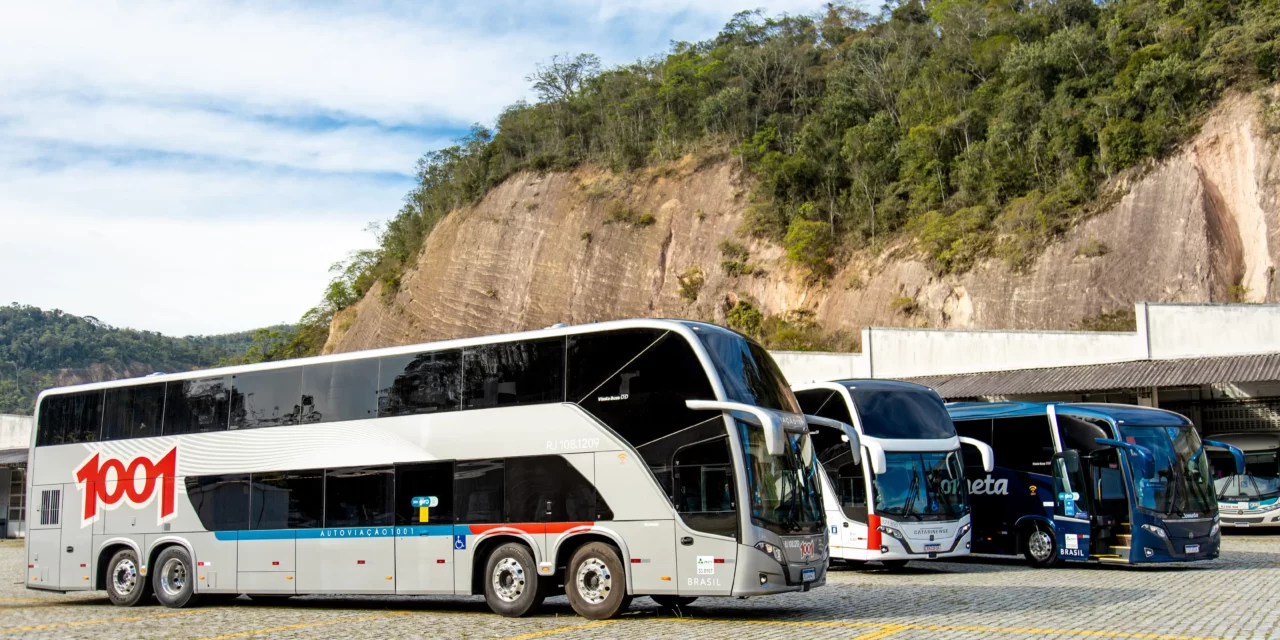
column 850, row 434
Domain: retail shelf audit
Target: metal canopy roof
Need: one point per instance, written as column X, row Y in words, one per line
column 1104, row 377
column 13, row 456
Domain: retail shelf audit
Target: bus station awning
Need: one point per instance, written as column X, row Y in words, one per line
column 1137, row 374
column 13, row 456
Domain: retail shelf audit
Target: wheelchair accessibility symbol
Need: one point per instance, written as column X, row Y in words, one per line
column 460, row 543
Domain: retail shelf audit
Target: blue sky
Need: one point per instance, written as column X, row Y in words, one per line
column 195, row 168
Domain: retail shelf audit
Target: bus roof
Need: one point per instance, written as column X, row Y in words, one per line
column 1119, row 413
column 684, row 327
column 869, row 384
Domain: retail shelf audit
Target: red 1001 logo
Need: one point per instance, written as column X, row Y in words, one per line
column 112, row 482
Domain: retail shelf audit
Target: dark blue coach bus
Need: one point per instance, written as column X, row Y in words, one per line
column 1102, row 482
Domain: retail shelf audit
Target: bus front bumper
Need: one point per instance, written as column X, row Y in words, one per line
column 758, row 574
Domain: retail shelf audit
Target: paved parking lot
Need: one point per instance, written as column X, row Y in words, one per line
column 1237, row 596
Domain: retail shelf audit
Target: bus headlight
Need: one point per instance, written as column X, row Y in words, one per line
column 1158, row 531
column 891, row 531
column 772, row 551
column 1215, row 530
column 963, row 530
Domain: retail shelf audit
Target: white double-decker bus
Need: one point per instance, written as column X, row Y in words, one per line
column 913, row 472
column 659, row 458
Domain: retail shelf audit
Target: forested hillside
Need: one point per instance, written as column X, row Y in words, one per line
column 976, row 127
column 41, row 349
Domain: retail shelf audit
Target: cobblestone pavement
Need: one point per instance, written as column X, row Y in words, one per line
column 1237, row 596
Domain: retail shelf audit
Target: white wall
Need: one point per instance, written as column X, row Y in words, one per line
column 904, row 353
column 1195, row 330
column 809, row 366
column 15, row 431
column 1162, row 331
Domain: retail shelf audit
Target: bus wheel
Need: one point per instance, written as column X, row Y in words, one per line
column 511, row 581
column 175, row 582
column 596, row 583
column 894, row 565
column 1039, row 546
column 125, row 584
column 673, row 602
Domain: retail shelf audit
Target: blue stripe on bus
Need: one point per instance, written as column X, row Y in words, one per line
column 345, row 532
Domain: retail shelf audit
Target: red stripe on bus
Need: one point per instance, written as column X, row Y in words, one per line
column 531, row 528
column 873, row 532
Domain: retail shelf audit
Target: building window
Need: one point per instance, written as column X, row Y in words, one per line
column 17, row 495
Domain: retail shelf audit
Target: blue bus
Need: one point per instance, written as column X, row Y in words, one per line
column 1090, row 482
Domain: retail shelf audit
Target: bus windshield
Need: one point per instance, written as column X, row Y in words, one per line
column 1181, row 485
column 749, row 375
column 1259, row 481
column 922, row 486
column 786, row 497
column 902, row 413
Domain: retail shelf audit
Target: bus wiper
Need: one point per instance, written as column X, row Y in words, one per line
column 908, row 507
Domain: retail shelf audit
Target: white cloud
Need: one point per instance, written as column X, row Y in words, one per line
column 36, row 123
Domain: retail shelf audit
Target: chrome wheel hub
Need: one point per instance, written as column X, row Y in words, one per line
column 1040, row 545
column 125, row 577
column 173, row 577
column 594, row 581
column 508, row 580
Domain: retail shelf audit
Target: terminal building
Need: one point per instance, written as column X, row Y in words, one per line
column 1217, row 364
column 15, row 444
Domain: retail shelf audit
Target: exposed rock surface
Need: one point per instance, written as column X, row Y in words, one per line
column 1200, row 226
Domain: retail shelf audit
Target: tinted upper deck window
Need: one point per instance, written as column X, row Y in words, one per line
column 824, row 403
column 420, row 383
column 70, row 417
column 133, row 412
column 286, row 500
column 902, row 413
column 340, row 391
column 513, row 373
column 270, row 398
column 1023, row 443
column 197, row 406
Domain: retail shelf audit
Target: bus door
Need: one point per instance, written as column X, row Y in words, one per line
column 706, row 533
column 77, row 542
column 1071, row 506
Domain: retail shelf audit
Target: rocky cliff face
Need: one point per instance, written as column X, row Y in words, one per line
column 1204, row 225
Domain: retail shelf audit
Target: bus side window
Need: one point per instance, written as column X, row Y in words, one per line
column 359, row 497
column 286, row 500
column 133, row 412
column 221, row 502
column 513, row 373
column 266, row 398
column 1023, row 443
column 69, row 418
column 824, row 403
column 338, row 391
column 478, row 491
column 197, row 406
column 424, row 480
column 419, row 383
column 550, row 489
column 703, row 491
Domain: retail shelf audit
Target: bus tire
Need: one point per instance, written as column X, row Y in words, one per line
column 1039, row 546
column 511, row 581
column 126, row 586
column 596, row 582
column 673, row 602
column 174, row 578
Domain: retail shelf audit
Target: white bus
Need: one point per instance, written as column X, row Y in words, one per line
column 1251, row 498
column 641, row 457
column 914, row 472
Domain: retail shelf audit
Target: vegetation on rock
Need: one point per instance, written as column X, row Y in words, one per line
column 979, row 127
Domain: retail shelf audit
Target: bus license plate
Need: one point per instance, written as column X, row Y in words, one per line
column 808, row 575
column 933, row 547
column 1242, row 524
column 1193, row 548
